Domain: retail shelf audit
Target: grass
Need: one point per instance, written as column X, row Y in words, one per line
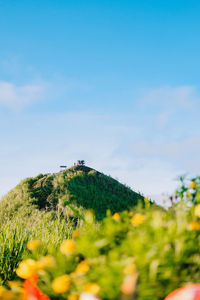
column 50, row 228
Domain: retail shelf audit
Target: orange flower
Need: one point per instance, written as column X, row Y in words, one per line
column 32, row 291
column 116, row 217
column 194, row 225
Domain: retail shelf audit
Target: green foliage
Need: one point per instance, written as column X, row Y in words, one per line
column 90, row 189
column 12, row 246
column 160, row 247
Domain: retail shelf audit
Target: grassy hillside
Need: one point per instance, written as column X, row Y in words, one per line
column 49, row 207
column 69, row 192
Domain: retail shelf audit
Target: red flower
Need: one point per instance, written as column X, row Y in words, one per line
column 32, row 292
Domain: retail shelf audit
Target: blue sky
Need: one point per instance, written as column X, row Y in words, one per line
column 113, row 82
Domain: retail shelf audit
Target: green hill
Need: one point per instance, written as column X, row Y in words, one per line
column 69, row 192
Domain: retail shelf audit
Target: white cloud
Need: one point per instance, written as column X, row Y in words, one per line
column 16, row 97
column 166, row 101
column 183, row 154
column 173, row 98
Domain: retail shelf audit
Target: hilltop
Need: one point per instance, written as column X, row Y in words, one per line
column 69, row 192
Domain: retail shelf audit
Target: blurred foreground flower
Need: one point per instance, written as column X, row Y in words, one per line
column 88, row 296
column 32, row 292
column 76, row 234
column 192, row 184
column 73, row 297
column 2, row 291
column 83, row 267
column 61, row 284
column 129, row 284
column 16, row 288
column 26, row 268
column 68, row 247
column 32, row 245
column 116, row 217
column 47, row 261
column 6, row 294
column 190, row 292
column 137, row 219
column 92, row 288
column 194, row 225
column 197, row 210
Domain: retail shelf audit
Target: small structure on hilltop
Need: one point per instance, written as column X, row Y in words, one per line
column 80, row 163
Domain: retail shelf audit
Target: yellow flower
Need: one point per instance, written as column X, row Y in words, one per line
column 73, row 297
column 7, row 295
column 76, row 234
column 192, row 184
column 197, row 210
column 15, row 286
column 32, row 245
column 92, row 288
column 137, row 219
column 116, row 217
column 2, row 290
column 39, row 266
column 83, row 267
column 68, row 247
column 26, row 268
column 61, row 284
column 194, row 225
column 130, row 214
column 47, row 261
